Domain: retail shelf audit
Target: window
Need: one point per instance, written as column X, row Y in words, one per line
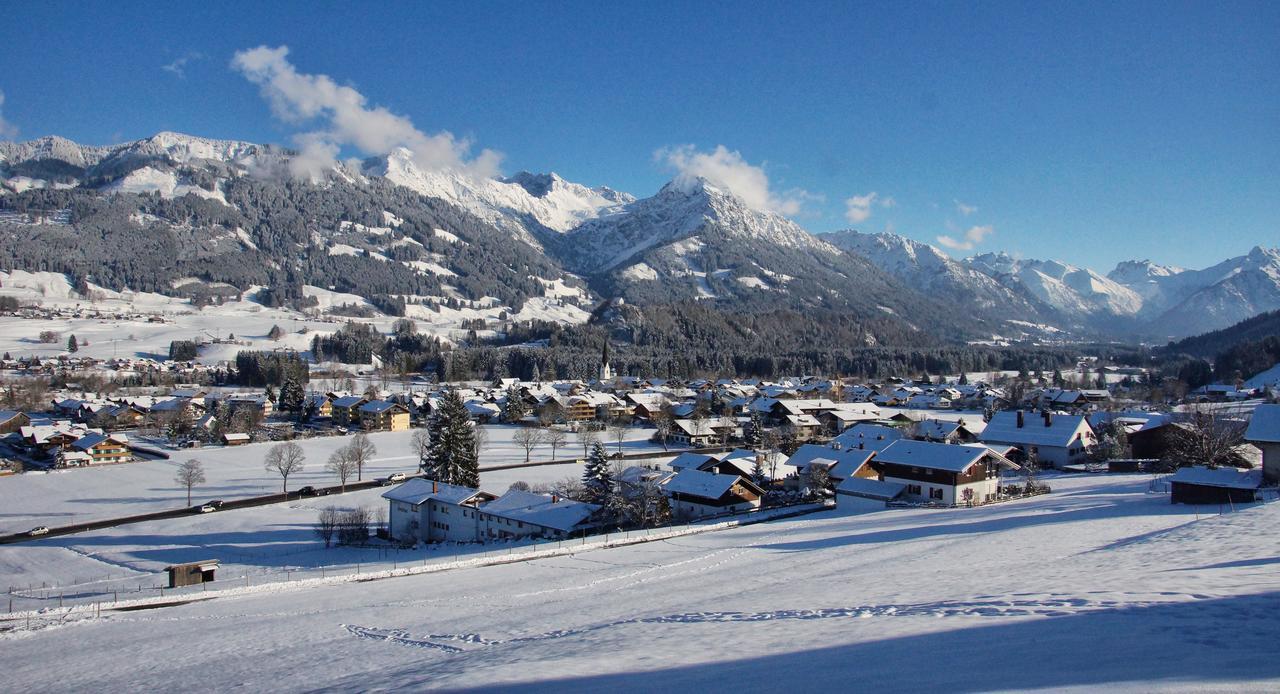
column 935, row 493
column 913, row 489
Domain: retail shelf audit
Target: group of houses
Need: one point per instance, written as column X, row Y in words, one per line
column 422, row 510
column 71, row 445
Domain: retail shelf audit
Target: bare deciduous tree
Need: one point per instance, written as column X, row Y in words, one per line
column 421, row 445
column 190, row 474
column 664, row 422
column 341, row 464
column 618, row 429
column 480, row 439
column 327, row 525
column 528, row 438
column 555, row 438
column 362, row 451
column 588, row 436
column 1209, row 437
column 285, row 459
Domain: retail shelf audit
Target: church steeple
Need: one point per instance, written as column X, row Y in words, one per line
column 606, row 372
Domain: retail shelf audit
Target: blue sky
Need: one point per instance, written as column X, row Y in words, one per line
column 1090, row 133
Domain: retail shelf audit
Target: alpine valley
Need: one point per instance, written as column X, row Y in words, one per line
column 206, row 219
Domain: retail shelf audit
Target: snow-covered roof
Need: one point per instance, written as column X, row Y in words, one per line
column 348, row 401
column 689, row 460
column 8, row 415
column 92, row 439
column 541, row 510
column 1219, row 477
column 871, row 437
column 870, row 489
column 418, row 490
column 378, row 406
column 1061, row 431
column 706, row 485
column 935, row 456
column 1265, row 425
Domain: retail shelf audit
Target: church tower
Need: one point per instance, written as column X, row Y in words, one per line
column 606, row 371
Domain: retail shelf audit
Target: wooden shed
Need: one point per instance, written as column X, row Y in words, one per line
column 191, row 573
column 1224, row 485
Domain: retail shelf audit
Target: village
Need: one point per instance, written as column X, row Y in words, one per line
column 716, row 447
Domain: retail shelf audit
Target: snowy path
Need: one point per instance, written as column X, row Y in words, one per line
column 1098, row 584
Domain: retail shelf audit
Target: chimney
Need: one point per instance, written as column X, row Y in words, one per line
column 435, row 487
column 1048, row 418
column 1021, row 420
column 555, row 498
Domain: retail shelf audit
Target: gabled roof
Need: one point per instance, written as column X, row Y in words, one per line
column 418, row 490
column 90, row 440
column 704, row 485
column 935, row 456
column 7, row 416
column 872, row 437
column 689, row 460
column 541, row 510
column 1061, row 432
column 1265, row 425
column 379, row 406
column 348, row 401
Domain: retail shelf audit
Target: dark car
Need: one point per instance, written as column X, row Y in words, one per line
column 211, row 506
column 312, row 491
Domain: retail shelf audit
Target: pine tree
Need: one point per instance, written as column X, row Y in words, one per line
column 452, row 458
column 270, row 392
column 514, row 409
column 72, row 344
column 597, row 478
column 291, row 395
column 755, row 432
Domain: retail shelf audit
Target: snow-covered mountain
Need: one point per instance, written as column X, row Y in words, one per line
column 679, row 211
column 527, row 205
column 1182, row 302
column 691, row 240
column 1075, row 291
column 928, row 269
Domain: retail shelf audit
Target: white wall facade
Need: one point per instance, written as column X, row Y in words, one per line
column 984, row 491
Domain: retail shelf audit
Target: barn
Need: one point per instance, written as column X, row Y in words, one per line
column 1223, row 485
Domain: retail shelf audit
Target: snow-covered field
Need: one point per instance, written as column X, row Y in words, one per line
column 76, row 495
column 1099, row 584
column 247, row 320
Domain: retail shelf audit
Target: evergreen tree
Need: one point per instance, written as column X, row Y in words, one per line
column 270, row 392
column 72, row 344
column 755, row 432
column 597, row 477
column 514, row 409
column 452, row 457
column 291, row 395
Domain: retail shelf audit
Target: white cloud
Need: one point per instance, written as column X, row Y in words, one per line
column 963, row 209
column 974, row 236
column 298, row 98
column 858, row 208
column 727, row 169
column 179, row 66
column 7, row 129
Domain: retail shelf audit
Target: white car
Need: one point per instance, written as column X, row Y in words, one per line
column 38, row 530
column 396, row 477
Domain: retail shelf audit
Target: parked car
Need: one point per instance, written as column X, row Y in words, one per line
column 38, row 530
column 211, row 506
column 396, row 477
column 312, row 491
